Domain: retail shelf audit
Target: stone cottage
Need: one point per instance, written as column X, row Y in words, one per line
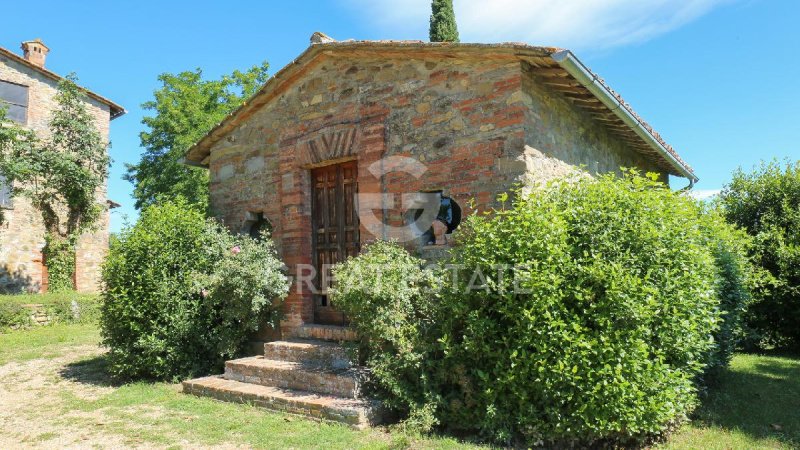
column 353, row 141
column 27, row 91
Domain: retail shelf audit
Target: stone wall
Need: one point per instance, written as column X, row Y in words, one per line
column 456, row 118
column 476, row 128
column 22, row 235
column 561, row 137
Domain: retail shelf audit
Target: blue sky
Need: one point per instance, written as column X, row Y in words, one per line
column 717, row 78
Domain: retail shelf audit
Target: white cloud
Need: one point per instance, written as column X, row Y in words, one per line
column 704, row 194
column 575, row 24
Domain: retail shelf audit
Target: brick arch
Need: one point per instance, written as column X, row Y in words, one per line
column 331, row 143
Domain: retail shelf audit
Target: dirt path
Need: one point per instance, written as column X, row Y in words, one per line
column 32, row 405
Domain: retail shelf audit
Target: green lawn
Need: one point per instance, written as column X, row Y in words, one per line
column 75, row 400
column 46, row 299
column 756, row 405
column 45, row 342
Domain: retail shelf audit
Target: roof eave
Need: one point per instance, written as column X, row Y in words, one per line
column 198, row 154
column 569, row 62
column 114, row 109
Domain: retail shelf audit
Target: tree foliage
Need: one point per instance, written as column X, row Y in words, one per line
column 185, row 108
column 766, row 203
column 13, row 140
column 61, row 174
column 443, row 26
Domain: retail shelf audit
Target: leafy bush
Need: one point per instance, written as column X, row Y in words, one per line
column 736, row 278
column 79, row 309
column 583, row 314
column 387, row 295
column 766, row 203
column 13, row 315
column 182, row 294
column 67, row 307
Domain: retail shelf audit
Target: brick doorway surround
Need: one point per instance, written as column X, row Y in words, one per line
column 359, row 142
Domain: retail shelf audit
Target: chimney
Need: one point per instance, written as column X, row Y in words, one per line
column 35, row 52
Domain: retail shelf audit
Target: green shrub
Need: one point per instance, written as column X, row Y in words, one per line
column 67, row 307
column 584, row 314
column 766, row 203
column 13, row 315
column 76, row 310
column 736, row 278
column 182, row 294
column 387, row 295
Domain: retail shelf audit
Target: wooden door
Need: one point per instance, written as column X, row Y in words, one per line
column 334, row 224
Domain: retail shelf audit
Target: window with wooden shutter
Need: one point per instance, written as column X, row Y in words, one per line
column 14, row 99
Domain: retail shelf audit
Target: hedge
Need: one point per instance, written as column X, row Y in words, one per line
column 586, row 313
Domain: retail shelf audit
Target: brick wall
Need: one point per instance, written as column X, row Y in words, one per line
column 22, row 236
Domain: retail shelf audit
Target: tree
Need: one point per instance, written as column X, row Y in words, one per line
column 186, row 107
column 11, row 138
column 443, row 22
column 61, row 175
column 766, row 203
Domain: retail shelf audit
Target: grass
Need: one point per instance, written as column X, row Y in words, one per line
column 756, row 405
column 67, row 307
column 159, row 414
column 45, row 342
column 47, row 299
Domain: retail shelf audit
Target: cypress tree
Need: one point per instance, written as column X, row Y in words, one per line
column 443, row 22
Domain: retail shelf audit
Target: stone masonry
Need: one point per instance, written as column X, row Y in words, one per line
column 470, row 121
column 310, row 377
column 481, row 120
column 22, row 235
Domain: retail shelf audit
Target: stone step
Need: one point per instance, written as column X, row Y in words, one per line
column 356, row 413
column 293, row 375
column 325, row 333
column 310, row 352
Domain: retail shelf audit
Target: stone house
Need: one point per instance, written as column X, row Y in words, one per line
column 347, row 120
column 27, row 91
column 355, row 141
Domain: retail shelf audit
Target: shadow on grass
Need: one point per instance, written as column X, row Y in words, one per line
column 93, row 371
column 758, row 396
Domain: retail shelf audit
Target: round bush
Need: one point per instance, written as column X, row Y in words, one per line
column 181, row 294
column 583, row 314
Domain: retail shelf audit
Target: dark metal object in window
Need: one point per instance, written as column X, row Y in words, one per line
column 449, row 214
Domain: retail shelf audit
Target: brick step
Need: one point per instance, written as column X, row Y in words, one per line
column 356, row 413
column 310, row 352
column 325, row 333
column 293, row 375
